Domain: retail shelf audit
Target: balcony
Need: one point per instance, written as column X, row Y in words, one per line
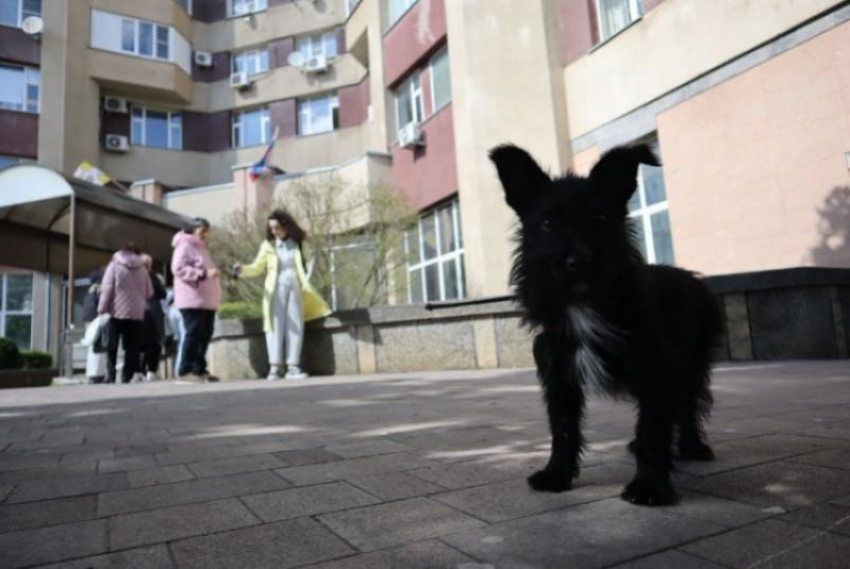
column 140, row 77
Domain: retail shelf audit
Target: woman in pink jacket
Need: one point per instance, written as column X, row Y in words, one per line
column 197, row 294
column 124, row 292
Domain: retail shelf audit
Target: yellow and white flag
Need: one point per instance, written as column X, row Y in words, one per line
column 88, row 172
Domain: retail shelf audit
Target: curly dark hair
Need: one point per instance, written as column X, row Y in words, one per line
column 288, row 222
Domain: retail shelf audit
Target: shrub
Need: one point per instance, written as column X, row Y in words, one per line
column 34, row 359
column 10, row 356
column 240, row 310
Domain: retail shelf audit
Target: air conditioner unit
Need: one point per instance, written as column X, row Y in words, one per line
column 316, row 64
column 410, row 136
column 203, row 59
column 240, row 80
column 116, row 143
column 242, row 9
column 117, row 105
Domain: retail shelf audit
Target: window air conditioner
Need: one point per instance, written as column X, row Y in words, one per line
column 410, row 136
column 117, row 105
column 316, row 64
column 116, row 143
column 240, row 80
column 203, row 59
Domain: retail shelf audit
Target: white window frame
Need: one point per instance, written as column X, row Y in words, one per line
column 256, row 56
column 238, row 130
column 413, row 85
column 421, row 264
column 434, row 108
column 304, row 109
column 4, row 312
column 643, row 215
column 174, row 122
column 254, row 6
column 22, row 16
column 635, row 13
column 307, row 44
column 407, row 5
column 31, row 76
column 154, row 43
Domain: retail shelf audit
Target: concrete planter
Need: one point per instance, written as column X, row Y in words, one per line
column 27, row 377
column 772, row 315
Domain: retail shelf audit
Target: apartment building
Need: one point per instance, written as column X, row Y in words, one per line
column 747, row 103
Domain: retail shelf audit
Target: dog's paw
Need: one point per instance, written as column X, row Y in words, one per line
column 697, row 451
column 550, row 481
column 646, row 493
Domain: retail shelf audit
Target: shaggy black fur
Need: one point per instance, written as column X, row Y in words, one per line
column 606, row 320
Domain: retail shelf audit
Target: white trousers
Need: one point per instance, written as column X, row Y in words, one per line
column 287, row 322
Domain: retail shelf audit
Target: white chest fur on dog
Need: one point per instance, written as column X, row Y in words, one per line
column 591, row 332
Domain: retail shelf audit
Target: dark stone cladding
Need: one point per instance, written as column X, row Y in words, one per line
column 18, row 47
column 19, row 134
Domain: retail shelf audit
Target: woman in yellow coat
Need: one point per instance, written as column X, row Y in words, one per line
column 288, row 299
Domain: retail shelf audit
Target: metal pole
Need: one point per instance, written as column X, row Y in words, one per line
column 68, row 356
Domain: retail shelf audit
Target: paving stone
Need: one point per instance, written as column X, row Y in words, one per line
column 25, row 462
column 353, row 468
column 169, row 524
column 831, row 517
column 787, row 484
column 150, row 497
column 278, row 545
column 834, row 458
column 395, row 486
column 588, row 535
column 307, row 501
column 307, row 456
column 670, row 560
column 139, row 450
column 62, row 488
column 774, row 544
column 719, row 511
column 5, row 491
column 16, row 517
column 46, row 545
column 53, row 472
column 52, row 440
column 159, row 475
column 128, row 463
column 368, row 448
column 424, row 555
column 397, row 523
column 226, row 466
column 155, row 557
column 463, row 475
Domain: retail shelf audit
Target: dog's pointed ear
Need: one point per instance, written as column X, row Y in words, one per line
column 616, row 172
column 522, row 178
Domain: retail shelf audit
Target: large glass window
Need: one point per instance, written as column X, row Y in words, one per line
column 251, row 128
column 14, row 12
column 398, row 9
column 16, row 308
column 145, row 39
column 242, row 7
column 616, row 15
column 650, row 215
column 157, row 129
column 435, row 256
column 318, row 44
column 318, row 115
column 441, row 83
column 408, row 102
column 19, row 88
column 254, row 61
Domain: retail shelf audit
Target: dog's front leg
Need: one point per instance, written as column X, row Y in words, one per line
column 565, row 407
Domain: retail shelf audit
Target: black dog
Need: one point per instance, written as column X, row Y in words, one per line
column 607, row 321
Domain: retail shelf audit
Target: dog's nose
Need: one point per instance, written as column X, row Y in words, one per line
column 572, row 263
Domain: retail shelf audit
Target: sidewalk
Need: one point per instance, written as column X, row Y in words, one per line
column 422, row 470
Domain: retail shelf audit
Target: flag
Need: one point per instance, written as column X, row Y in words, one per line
column 262, row 168
column 86, row 171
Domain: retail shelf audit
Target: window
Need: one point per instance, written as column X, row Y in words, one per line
column 441, row 84
column 318, row 44
column 254, row 62
column 16, row 308
column 157, row 129
column 616, row 15
column 650, row 214
column 242, row 7
column 408, row 102
column 14, row 12
column 145, row 39
column 350, row 6
column 435, row 256
column 19, row 88
column 398, row 9
column 251, row 128
column 6, row 161
column 319, row 115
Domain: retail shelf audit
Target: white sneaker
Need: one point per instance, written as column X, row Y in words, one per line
column 274, row 374
column 295, row 372
column 151, row 376
column 137, row 377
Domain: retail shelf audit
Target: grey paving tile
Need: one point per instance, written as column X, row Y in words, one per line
column 138, row 450
column 360, row 449
column 25, row 462
column 52, row 440
column 169, row 524
column 774, row 544
column 128, row 463
column 397, row 523
column 72, row 486
column 719, row 511
column 830, row 517
column 834, row 458
column 16, row 517
column 55, row 543
column 159, row 475
column 588, row 535
column 226, row 466
column 151, row 497
column 786, row 484
column 463, row 475
column 395, row 486
column 278, row 545
column 424, row 555
column 670, row 560
column 307, row 501
column 308, row 456
column 53, row 472
column 4, row 492
column 155, row 557
column 353, row 468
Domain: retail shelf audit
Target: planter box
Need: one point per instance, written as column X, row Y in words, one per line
column 27, row 377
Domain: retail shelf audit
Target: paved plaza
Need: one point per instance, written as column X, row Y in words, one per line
column 423, row 470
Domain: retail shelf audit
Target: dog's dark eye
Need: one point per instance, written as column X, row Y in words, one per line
column 546, row 225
